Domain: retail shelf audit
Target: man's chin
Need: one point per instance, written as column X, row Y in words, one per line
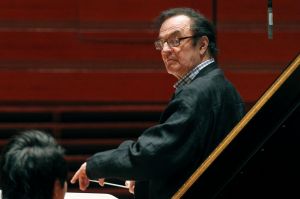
column 171, row 69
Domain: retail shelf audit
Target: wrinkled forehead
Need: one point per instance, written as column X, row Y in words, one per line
column 175, row 25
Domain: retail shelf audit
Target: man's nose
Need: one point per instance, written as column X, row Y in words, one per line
column 166, row 47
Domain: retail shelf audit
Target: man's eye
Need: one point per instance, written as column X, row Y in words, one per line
column 171, row 41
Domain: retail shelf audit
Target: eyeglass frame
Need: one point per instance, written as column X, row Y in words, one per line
column 178, row 40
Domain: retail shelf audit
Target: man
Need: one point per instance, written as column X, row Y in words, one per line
column 33, row 167
column 204, row 108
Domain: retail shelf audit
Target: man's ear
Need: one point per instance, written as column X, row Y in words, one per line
column 203, row 47
column 58, row 190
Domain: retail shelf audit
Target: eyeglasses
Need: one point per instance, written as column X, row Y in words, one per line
column 172, row 42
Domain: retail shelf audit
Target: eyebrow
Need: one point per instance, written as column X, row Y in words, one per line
column 175, row 33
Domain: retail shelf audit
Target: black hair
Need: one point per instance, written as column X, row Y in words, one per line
column 200, row 25
column 30, row 164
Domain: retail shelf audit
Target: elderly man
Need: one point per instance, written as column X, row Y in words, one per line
column 204, row 108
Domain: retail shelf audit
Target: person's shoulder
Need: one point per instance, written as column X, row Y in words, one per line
column 210, row 80
column 198, row 91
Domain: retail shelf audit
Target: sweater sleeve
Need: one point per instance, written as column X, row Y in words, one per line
column 159, row 151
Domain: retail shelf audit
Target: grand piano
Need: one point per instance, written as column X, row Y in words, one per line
column 260, row 157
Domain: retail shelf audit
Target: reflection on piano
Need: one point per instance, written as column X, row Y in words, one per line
column 74, row 195
column 260, row 156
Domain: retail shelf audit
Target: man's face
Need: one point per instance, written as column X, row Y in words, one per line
column 180, row 59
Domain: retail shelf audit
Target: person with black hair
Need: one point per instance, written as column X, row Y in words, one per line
column 32, row 166
column 203, row 109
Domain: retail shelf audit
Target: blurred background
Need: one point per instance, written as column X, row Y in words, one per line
column 86, row 71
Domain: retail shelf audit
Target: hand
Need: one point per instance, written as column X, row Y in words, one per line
column 101, row 181
column 130, row 184
column 81, row 176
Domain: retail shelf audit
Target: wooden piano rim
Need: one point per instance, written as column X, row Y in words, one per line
column 235, row 131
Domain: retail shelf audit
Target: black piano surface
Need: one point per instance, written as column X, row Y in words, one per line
column 263, row 158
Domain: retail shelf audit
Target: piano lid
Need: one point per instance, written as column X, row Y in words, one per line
column 259, row 157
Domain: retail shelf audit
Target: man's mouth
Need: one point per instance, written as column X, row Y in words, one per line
column 170, row 60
